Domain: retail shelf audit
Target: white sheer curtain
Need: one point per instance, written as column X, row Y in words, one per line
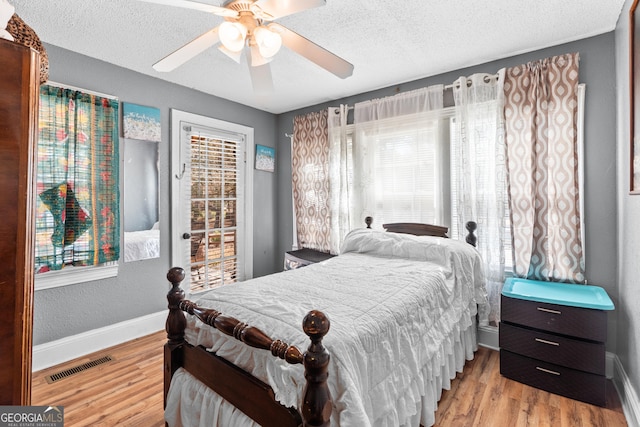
column 478, row 178
column 339, row 176
column 397, row 158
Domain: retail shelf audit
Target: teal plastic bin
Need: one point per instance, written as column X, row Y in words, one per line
column 584, row 296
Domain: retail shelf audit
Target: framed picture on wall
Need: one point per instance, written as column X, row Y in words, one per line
column 141, row 122
column 634, row 74
column 265, row 158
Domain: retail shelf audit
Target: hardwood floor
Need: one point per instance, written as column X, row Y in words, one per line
column 480, row 396
column 128, row 392
column 124, row 392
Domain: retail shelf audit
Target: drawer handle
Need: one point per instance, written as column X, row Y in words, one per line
column 548, row 371
column 546, row 310
column 546, row 342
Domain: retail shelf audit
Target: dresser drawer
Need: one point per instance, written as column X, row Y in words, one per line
column 578, row 322
column 577, row 354
column 553, row 378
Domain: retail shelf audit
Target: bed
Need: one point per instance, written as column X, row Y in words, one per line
column 402, row 311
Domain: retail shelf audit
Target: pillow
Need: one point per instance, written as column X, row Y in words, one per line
column 70, row 220
column 399, row 245
column 458, row 260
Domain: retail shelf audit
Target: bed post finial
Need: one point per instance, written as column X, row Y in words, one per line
column 176, row 322
column 368, row 220
column 471, row 238
column 316, row 407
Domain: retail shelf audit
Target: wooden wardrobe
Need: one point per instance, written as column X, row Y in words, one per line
column 19, row 87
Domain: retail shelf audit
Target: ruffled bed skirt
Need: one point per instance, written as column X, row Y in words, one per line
column 191, row 404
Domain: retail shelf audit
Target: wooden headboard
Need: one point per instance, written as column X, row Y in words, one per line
column 417, row 229
column 425, row 229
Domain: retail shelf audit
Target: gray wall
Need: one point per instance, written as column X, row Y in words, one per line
column 140, row 287
column 628, row 277
column 597, row 71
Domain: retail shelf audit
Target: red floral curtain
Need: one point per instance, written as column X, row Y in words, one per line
column 542, row 158
column 310, row 177
column 78, row 221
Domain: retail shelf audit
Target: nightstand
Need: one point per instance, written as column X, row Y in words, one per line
column 303, row 257
column 552, row 337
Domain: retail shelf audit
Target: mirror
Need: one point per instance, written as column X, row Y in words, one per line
column 141, row 215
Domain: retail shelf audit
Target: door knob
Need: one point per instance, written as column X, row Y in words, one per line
column 186, row 236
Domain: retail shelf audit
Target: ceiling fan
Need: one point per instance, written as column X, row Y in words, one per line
column 248, row 28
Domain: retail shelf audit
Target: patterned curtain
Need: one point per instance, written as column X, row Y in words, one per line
column 542, row 159
column 78, row 221
column 310, row 177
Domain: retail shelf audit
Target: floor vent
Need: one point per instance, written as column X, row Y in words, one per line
column 77, row 369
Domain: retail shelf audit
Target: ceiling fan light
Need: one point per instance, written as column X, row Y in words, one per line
column 268, row 41
column 233, row 35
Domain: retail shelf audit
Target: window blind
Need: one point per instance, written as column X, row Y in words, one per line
column 214, row 168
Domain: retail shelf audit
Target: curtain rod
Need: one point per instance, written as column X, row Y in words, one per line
column 449, row 86
column 90, row 92
column 488, row 76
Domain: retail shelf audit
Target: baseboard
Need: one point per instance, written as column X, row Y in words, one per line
column 628, row 396
column 69, row 348
column 488, row 337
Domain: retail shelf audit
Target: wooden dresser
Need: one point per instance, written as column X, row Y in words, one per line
column 303, row 257
column 19, row 84
column 552, row 337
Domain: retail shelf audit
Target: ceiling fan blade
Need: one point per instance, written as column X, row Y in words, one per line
column 188, row 51
column 279, row 8
column 255, row 58
column 187, row 4
column 236, row 56
column 313, row 52
column 261, row 79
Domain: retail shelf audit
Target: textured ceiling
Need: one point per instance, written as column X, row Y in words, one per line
column 388, row 42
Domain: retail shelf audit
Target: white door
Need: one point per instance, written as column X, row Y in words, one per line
column 211, row 225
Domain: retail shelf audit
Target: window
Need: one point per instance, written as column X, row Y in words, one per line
column 215, row 165
column 397, row 156
column 408, row 170
column 77, row 203
column 396, row 170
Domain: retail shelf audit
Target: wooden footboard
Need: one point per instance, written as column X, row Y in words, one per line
column 252, row 396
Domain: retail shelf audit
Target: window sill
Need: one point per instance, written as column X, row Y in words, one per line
column 74, row 275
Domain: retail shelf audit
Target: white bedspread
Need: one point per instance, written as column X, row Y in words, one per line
column 397, row 305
